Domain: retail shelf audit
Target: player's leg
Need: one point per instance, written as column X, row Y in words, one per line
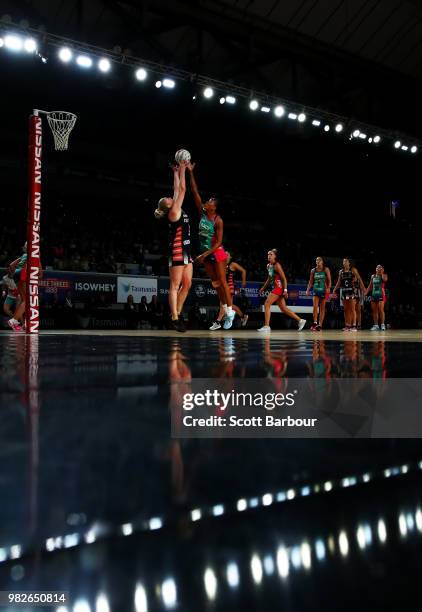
column 322, row 302
column 212, row 274
column 381, row 314
column 271, row 299
column 315, row 304
column 176, row 274
column 285, row 310
column 186, row 284
column 16, row 321
column 374, row 308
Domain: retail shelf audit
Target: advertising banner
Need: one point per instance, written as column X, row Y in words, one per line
column 138, row 286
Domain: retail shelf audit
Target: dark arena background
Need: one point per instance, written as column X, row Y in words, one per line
column 304, row 120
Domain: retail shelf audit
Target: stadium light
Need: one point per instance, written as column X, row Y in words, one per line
column 265, row 109
column 397, row 144
column 279, row 111
column 414, row 149
column 377, row 139
column 1, row 43
column 253, row 105
column 13, row 43
column 292, row 116
column 65, row 54
column 301, row 117
column 404, row 148
column 169, row 84
column 141, row 74
column 104, row 65
column 84, row 61
column 362, row 135
column 30, row 45
column 230, row 100
column 316, row 122
column 158, row 84
column 208, row 92
column 222, row 100
column 339, row 128
column 326, row 128
column 356, row 134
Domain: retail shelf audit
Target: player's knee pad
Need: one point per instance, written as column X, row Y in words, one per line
column 216, row 284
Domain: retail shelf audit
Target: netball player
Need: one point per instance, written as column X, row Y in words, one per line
column 213, row 255
column 320, row 282
column 376, row 290
column 231, row 269
column 9, row 305
column 350, row 282
column 180, row 261
column 277, row 279
column 17, row 271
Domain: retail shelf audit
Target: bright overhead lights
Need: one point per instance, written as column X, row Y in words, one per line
column 362, row 135
column 301, row 117
column 292, row 116
column 158, row 84
column 316, row 122
column 222, row 100
column 339, row 128
column 326, row 128
column 404, row 148
column 253, row 105
column 14, row 43
column 356, row 134
column 397, row 144
column 414, row 149
column 141, row 74
column 279, row 111
column 65, row 54
column 370, row 140
column 208, row 92
column 265, row 109
column 169, row 83
column 30, row 45
column 84, row 61
column 377, row 139
column 104, row 65
column 1, row 42
column 230, row 100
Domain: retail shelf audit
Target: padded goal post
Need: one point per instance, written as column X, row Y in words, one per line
column 61, row 124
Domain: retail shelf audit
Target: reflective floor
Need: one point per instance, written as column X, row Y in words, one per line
column 97, row 499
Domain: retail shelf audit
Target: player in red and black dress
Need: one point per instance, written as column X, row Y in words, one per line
column 180, row 261
column 232, row 267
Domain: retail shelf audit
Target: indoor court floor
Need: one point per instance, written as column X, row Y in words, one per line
column 100, row 501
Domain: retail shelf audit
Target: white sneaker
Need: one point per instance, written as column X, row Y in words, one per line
column 216, row 325
column 244, row 320
column 264, row 328
column 374, row 328
column 301, row 324
column 228, row 321
column 382, row 327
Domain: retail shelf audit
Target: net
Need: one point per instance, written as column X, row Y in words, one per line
column 61, row 124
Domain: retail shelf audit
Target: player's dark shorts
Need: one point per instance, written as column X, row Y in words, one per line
column 322, row 295
column 182, row 259
column 348, row 294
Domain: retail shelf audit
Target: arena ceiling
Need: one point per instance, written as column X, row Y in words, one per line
column 345, row 55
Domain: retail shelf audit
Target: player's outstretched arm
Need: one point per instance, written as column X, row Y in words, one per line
column 194, row 186
column 175, row 210
column 176, row 181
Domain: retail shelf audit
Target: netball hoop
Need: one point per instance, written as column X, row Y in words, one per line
column 61, row 124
